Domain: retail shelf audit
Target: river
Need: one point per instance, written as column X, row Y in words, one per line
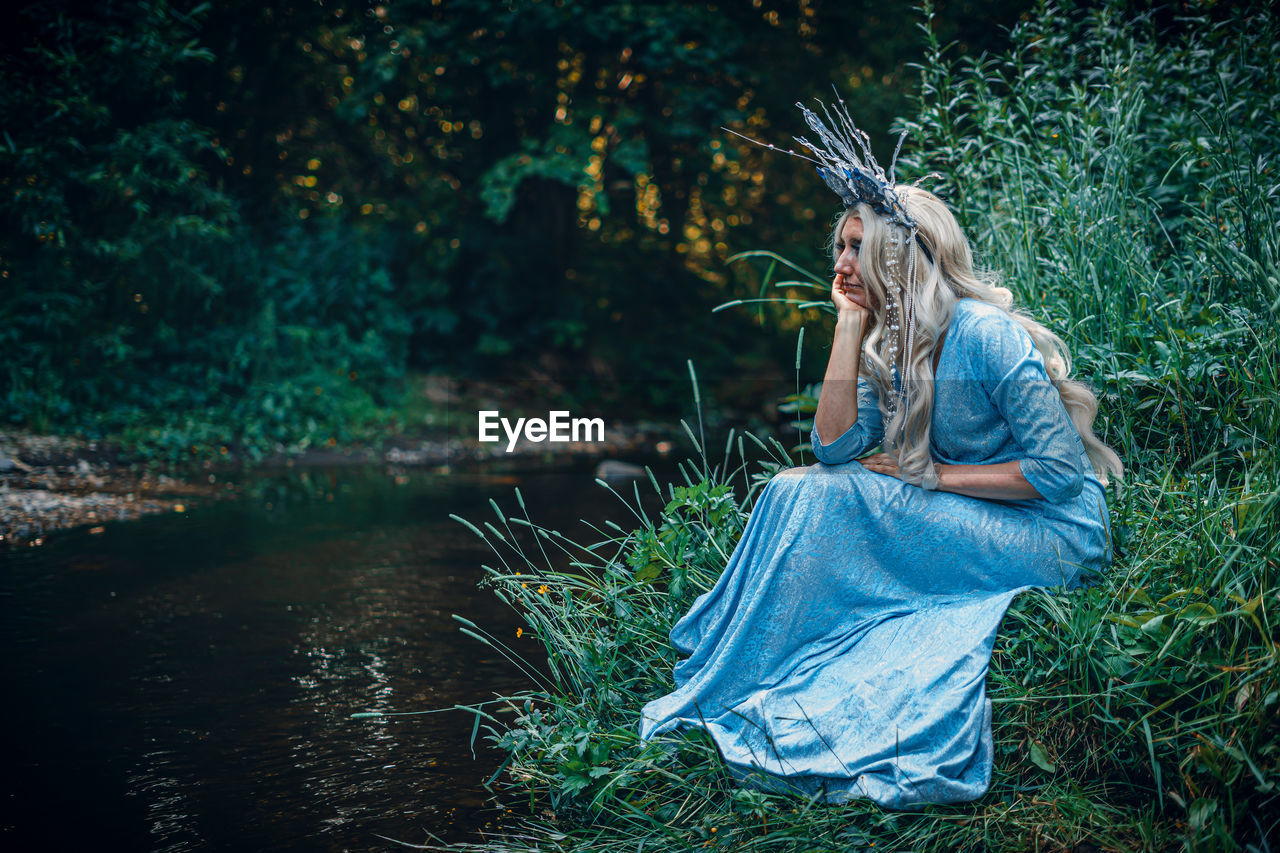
column 186, row 682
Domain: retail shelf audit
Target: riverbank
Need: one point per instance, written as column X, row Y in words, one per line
column 55, row 482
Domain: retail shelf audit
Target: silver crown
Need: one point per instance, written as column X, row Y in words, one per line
column 847, row 164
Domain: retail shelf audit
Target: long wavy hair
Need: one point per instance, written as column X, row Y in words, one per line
column 945, row 274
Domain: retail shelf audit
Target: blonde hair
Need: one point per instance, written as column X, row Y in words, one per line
column 945, row 273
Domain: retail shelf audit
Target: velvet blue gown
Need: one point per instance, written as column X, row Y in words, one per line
column 843, row 652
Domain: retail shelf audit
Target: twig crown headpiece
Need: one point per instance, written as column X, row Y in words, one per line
column 848, row 166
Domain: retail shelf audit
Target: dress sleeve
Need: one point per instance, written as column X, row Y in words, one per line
column 1014, row 377
column 857, row 439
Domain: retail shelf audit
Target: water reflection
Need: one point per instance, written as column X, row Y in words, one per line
column 186, row 682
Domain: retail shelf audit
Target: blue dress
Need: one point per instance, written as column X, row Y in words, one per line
column 843, row 652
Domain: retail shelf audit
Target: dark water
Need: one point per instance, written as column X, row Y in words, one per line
column 185, row 682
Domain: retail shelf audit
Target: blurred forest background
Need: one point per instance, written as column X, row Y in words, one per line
column 258, row 225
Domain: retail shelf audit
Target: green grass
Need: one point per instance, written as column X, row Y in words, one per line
column 1123, row 177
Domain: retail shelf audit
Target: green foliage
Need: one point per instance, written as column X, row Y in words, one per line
column 802, row 406
column 139, row 306
column 1117, row 172
column 700, row 526
column 604, row 619
column 301, row 345
column 106, row 180
column 537, row 179
column 1160, row 682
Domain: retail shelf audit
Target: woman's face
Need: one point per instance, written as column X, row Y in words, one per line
column 847, row 247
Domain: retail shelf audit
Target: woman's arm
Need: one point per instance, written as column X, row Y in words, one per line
column 1013, row 375
column 1002, row 481
column 838, row 401
column 848, row 409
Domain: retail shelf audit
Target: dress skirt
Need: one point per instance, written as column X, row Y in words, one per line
column 843, row 652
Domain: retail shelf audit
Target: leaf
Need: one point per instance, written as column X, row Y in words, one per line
column 1155, row 625
column 1118, row 665
column 1178, row 593
column 1201, row 812
column 573, row 784
column 1251, row 605
column 474, row 730
column 1121, row 619
column 1040, row 758
column 651, row 572
column 1198, row 613
column 1140, row 595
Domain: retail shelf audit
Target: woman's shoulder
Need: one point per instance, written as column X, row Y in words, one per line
column 969, row 309
column 984, row 319
column 988, row 332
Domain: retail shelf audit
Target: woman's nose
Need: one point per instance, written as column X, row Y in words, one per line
column 844, row 263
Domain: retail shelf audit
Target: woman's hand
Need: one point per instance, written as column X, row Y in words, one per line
column 850, row 299
column 881, row 463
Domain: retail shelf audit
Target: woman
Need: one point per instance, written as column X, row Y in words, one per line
column 843, row 651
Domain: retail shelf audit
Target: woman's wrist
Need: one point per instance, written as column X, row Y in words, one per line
column 852, row 319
